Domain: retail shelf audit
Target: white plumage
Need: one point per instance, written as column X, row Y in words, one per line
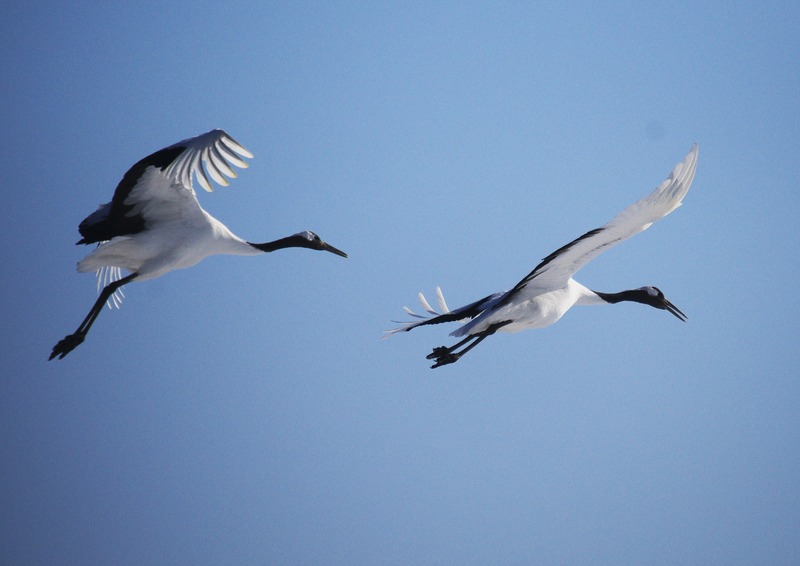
column 543, row 296
column 154, row 223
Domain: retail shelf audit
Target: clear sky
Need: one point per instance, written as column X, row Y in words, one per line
column 246, row 410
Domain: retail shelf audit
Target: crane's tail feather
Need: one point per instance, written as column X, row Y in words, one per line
column 426, row 305
column 440, row 300
column 461, row 314
column 411, row 313
column 408, row 325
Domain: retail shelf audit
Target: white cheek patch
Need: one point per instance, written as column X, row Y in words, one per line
column 652, row 292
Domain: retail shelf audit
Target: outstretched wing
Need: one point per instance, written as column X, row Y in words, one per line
column 554, row 270
column 159, row 187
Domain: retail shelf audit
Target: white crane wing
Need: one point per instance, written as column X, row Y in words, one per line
column 554, row 271
column 207, row 157
column 159, row 188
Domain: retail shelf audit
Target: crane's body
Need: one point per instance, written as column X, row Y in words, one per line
column 538, row 311
column 154, row 223
column 192, row 237
column 549, row 291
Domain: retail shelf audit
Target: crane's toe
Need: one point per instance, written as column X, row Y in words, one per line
column 438, row 352
column 443, row 356
column 66, row 345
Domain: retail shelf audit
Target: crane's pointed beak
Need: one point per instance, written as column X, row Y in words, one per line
column 674, row 310
column 329, row 248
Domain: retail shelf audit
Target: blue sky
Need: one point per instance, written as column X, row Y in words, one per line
column 246, row 411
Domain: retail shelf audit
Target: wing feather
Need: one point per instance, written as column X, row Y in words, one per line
column 231, row 157
column 207, row 157
column 222, row 163
column 214, row 168
column 558, row 267
column 159, row 187
column 235, row 146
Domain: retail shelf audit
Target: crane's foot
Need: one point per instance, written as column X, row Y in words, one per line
column 443, row 356
column 66, row 345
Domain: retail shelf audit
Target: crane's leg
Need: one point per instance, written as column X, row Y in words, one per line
column 69, row 343
column 447, row 355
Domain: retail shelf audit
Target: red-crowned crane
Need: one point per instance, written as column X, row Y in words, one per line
column 549, row 291
column 154, row 223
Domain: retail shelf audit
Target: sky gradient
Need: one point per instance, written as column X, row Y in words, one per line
column 247, row 411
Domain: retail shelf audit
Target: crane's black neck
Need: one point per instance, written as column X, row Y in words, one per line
column 651, row 296
column 295, row 241
column 634, row 295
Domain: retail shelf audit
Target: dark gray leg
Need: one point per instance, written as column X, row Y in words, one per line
column 69, row 343
column 444, row 355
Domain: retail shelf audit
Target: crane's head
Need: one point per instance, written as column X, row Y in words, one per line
column 304, row 239
column 308, row 239
column 655, row 298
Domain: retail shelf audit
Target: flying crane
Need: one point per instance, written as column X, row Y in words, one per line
column 543, row 296
column 154, row 223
